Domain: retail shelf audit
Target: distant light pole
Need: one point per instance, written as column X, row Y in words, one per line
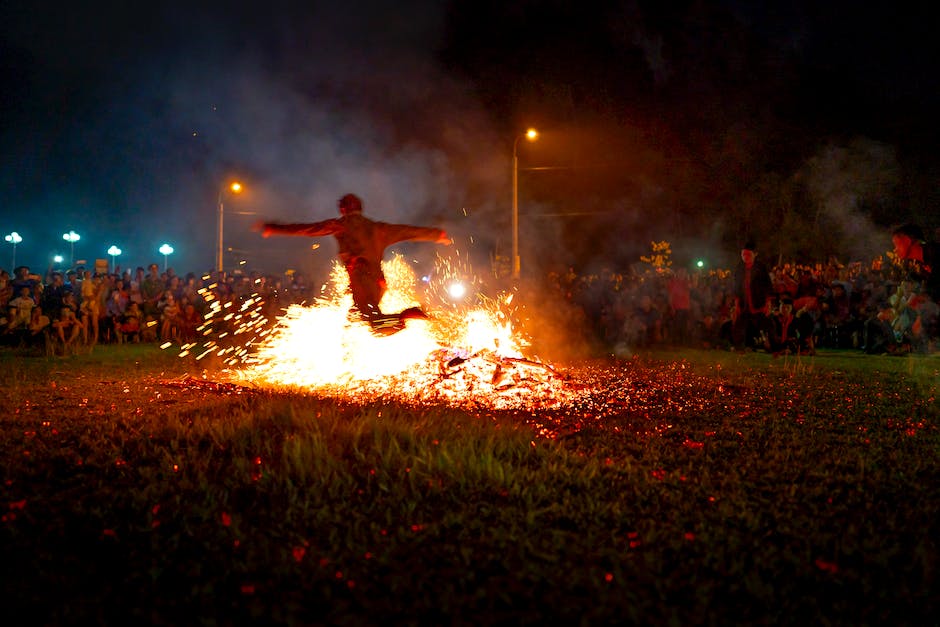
column 71, row 237
column 14, row 238
column 236, row 188
column 531, row 134
column 57, row 259
column 114, row 251
column 166, row 250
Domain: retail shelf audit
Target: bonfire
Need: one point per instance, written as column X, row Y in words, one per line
column 467, row 354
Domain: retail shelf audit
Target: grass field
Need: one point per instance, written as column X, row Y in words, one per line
column 690, row 488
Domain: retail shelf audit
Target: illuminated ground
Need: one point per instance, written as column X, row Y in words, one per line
column 677, row 487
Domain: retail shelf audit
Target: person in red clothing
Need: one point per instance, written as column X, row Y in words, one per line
column 753, row 290
column 362, row 244
column 792, row 333
column 921, row 256
column 680, row 304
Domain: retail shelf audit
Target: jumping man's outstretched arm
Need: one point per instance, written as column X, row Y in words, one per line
column 405, row 232
column 316, row 229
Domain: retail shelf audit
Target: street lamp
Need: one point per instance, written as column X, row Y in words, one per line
column 114, row 251
column 166, row 250
column 236, row 188
column 531, row 134
column 14, row 238
column 71, row 237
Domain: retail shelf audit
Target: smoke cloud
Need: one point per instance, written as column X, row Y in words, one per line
column 302, row 106
column 847, row 184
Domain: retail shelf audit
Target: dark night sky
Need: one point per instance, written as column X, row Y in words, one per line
column 122, row 123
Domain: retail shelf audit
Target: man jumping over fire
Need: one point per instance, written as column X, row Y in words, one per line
column 362, row 243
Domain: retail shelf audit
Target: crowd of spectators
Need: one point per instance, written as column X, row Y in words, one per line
column 66, row 310
column 872, row 306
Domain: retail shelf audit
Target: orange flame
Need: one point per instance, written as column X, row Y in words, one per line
column 464, row 353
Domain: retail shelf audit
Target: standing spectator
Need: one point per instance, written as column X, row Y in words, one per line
column 753, row 290
column 104, row 297
column 138, row 279
column 89, row 311
column 923, row 257
column 88, row 287
column 151, row 290
column 680, row 303
column 72, row 284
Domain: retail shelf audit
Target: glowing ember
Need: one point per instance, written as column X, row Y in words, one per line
column 465, row 354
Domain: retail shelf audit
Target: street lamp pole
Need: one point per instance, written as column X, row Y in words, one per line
column 531, row 134
column 114, row 251
column 235, row 187
column 71, row 237
column 14, row 238
column 165, row 250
